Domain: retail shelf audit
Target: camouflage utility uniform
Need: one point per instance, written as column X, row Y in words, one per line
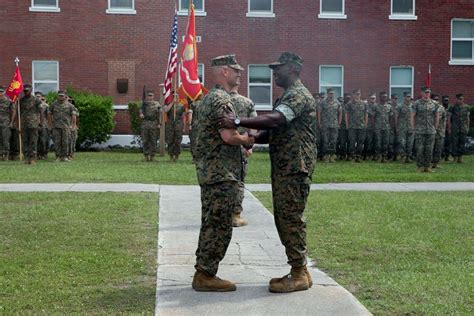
column 330, row 112
column 30, row 111
column 61, row 114
column 357, row 112
column 174, row 129
column 74, row 133
column 244, row 107
column 43, row 136
column 293, row 158
column 382, row 114
column 370, row 140
column 425, row 112
column 219, row 171
column 150, row 126
column 459, row 128
column 6, row 109
column 405, row 134
column 343, row 136
column 440, row 135
column 194, row 109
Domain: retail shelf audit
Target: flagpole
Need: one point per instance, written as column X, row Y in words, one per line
column 17, row 61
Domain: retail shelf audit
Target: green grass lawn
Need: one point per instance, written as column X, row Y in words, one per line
column 398, row 253
column 129, row 167
column 87, row 253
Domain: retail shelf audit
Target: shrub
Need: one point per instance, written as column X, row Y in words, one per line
column 96, row 116
column 134, row 112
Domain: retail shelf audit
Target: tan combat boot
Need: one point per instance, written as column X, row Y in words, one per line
column 308, row 275
column 434, row 165
column 332, row 158
column 326, row 158
column 238, row 221
column 460, row 160
column 428, row 170
column 151, row 157
column 202, row 282
column 297, row 280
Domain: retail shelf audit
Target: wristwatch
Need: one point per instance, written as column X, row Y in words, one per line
column 237, row 122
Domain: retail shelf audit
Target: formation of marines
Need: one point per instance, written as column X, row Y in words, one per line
column 37, row 123
column 383, row 130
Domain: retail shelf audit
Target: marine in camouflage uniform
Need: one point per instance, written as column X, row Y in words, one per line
column 244, row 107
column 343, row 137
column 382, row 114
column 440, row 135
column 393, row 138
column 424, row 118
column 6, row 121
column 289, row 130
column 30, row 115
column 192, row 121
column 369, row 145
column 460, row 121
column 219, row 171
column 61, row 116
column 356, row 120
column 150, row 113
column 43, row 136
column 174, row 129
column 74, row 130
column 329, row 118
column 405, row 133
column 316, row 126
column 447, row 139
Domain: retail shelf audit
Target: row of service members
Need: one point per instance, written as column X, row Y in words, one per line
column 39, row 122
column 363, row 129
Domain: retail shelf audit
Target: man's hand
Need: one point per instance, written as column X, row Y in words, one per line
column 226, row 121
column 141, row 116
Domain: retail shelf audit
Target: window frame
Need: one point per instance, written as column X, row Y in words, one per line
column 402, row 16
column 199, row 65
column 38, row 8
column 34, row 82
column 402, row 86
column 111, row 10
column 331, row 86
column 458, row 61
column 333, row 15
column 260, row 14
column 259, row 106
column 184, row 11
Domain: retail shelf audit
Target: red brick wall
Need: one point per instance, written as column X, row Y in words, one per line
column 94, row 48
column 122, row 122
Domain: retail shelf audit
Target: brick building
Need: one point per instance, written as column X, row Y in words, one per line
column 346, row 44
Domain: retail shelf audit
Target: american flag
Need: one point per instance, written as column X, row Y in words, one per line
column 172, row 61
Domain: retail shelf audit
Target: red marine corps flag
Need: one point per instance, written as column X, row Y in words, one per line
column 16, row 85
column 189, row 62
column 428, row 78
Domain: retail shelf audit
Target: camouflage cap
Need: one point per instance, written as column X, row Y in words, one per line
column 61, row 92
column 425, row 89
column 27, row 87
column 150, row 92
column 356, row 91
column 407, row 94
column 39, row 93
column 286, row 58
column 329, row 90
column 459, row 96
column 226, row 60
column 2, row 89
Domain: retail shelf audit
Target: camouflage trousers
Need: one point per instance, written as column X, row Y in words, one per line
column 29, row 139
column 43, row 141
column 458, row 143
column 149, row 139
column 382, row 138
column 329, row 140
column 72, row 141
column 290, row 194
column 406, row 139
column 61, row 140
column 356, row 141
column 343, row 142
column 218, row 201
column 438, row 148
column 318, row 141
column 192, row 143
column 369, row 146
column 424, row 149
column 14, row 143
column 240, row 197
column 174, row 136
column 392, row 142
column 5, row 134
column 447, row 145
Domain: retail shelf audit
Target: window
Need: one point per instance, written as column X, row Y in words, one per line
column 332, row 9
column 121, row 7
column 45, row 76
column 198, row 7
column 331, row 77
column 201, row 73
column 401, row 80
column 45, row 6
column 260, row 8
column 403, row 10
column 260, row 86
column 462, row 42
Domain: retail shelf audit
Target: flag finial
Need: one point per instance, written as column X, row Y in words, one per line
column 17, row 60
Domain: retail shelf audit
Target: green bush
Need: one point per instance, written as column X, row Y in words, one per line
column 135, row 122
column 96, row 116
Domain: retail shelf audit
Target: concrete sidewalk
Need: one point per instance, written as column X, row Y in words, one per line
column 254, row 256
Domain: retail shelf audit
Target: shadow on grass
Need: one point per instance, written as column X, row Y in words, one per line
column 133, row 298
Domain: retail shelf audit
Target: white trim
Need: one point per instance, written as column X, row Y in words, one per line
column 260, row 107
column 120, row 107
column 38, row 8
column 332, row 15
column 33, row 81
column 460, row 62
column 332, row 86
column 403, row 16
column 401, row 86
column 203, row 72
column 184, row 11
column 260, row 14
column 111, row 10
